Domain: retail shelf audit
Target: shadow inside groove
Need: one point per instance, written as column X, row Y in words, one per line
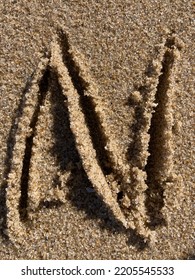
column 88, row 107
column 9, row 156
column 43, row 87
column 64, row 148
column 95, row 208
column 158, row 142
column 68, row 159
column 157, row 147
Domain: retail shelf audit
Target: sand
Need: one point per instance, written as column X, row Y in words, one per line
column 96, row 130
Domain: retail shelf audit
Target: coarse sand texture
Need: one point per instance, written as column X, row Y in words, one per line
column 96, row 133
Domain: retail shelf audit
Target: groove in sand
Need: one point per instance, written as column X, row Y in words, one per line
column 160, row 161
column 81, row 131
column 17, row 183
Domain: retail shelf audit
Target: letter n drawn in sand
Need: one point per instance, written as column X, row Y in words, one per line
column 127, row 199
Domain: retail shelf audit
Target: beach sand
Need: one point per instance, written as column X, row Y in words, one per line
column 96, row 133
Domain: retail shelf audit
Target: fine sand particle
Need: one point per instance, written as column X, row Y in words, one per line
column 98, row 162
